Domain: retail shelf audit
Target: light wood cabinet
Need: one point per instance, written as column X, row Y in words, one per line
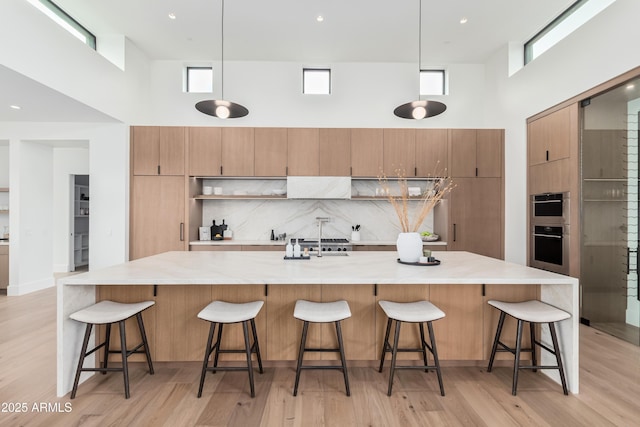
column 335, row 152
column 399, row 152
column 432, row 152
column 366, row 152
column 158, row 150
column 476, row 216
column 157, row 215
column 270, row 152
column 550, row 136
column 237, row 151
column 4, row 267
column 205, row 151
column 476, row 153
column 463, row 307
column 303, row 151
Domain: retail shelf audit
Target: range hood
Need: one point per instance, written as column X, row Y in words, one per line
column 318, row 187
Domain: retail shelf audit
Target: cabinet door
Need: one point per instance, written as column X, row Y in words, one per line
column 157, row 215
column 432, row 152
column 366, row 152
column 459, row 335
column 409, row 332
column 335, row 152
column 237, row 151
column 549, row 137
column 463, row 153
column 205, row 151
column 508, row 293
column 270, row 152
column 399, row 152
column 489, row 152
column 4, row 267
column 171, row 150
column 145, row 151
column 284, row 331
column 303, row 152
column 476, row 216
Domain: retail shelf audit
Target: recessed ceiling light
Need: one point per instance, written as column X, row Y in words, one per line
column 15, row 107
column 172, row 15
column 320, row 18
column 463, row 20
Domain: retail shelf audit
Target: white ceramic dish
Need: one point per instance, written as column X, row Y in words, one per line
column 277, row 192
column 431, row 238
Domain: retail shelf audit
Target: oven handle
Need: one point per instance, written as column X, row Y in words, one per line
column 547, row 235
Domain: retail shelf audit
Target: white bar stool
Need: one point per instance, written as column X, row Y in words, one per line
column 105, row 313
column 221, row 313
column 532, row 311
column 411, row 312
column 321, row 312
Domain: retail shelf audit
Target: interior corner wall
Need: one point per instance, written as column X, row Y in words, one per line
column 67, row 161
column 600, row 50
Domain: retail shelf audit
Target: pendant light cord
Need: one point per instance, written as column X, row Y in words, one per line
column 419, row 45
column 222, row 54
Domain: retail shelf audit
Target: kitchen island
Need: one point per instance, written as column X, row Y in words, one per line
column 182, row 283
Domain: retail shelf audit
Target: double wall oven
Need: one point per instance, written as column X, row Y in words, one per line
column 550, row 232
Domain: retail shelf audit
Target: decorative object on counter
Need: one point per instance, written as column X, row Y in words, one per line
column 217, row 191
column 282, row 236
column 227, row 234
column 207, row 190
column 288, row 250
column 428, row 236
column 355, row 233
column 419, row 109
column 296, row 249
column 216, row 231
column 205, row 233
column 431, row 261
column 273, row 235
column 219, row 107
column 409, row 241
column 223, row 228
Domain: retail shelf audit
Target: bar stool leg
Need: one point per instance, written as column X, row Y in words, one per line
column 534, row 359
column 435, row 357
column 394, row 353
column 247, row 346
column 256, row 345
column 496, row 340
column 385, row 344
column 343, row 358
column 423, row 345
column 144, row 342
column 83, row 353
column 556, row 349
column 125, row 365
column 107, row 341
column 216, row 347
column 303, row 342
column 516, row 364
column 207, row 354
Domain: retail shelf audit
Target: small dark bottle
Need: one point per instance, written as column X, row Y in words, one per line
column 273, row 236
column 215, row 229
column 223, row 227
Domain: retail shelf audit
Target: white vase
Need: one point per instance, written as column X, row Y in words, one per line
column 409, row 247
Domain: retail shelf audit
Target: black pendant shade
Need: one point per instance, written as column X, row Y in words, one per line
column 222, row 109
column 417, row 110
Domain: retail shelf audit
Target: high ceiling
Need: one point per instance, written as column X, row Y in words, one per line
column 287, row 30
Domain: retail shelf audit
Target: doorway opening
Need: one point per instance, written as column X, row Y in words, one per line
column 79, row 242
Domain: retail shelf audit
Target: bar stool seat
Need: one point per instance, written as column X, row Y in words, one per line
column 321, row 312
column 532, row 311
column 220, row 313
column 105, row 313
column 411, row 312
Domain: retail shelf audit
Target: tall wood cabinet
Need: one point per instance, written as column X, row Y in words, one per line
column 270, row 152
column 158, row 150
column 432, row 152
column 366, row 152
column 476, row 153
column 399, row 152
column 4, row 266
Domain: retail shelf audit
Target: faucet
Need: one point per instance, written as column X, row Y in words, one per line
column 320, row 220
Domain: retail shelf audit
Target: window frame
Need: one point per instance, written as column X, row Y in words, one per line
column 444, row 80
column 90, row 38
column 315, row 69
column 201, row 67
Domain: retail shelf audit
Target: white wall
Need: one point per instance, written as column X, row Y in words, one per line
column 67, row 161
column 603, row 48
column 4, row 181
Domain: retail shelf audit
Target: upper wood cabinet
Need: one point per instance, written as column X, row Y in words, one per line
column 303, row 151
column 270, row 152
column 432, row 153
column 205, row 151
column 158, row 150
column 550, row 136
column 399, row 152
column 237, row 151
column 476, row 153
column 366, row 152
column 335, row 152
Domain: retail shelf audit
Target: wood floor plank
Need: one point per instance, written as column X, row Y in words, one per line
column 609, row 386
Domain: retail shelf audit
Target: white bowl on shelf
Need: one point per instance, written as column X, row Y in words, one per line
column 277, row 192
column 431, row 238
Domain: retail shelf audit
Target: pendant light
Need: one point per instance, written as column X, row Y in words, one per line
column 419, row 109
column 219, row 107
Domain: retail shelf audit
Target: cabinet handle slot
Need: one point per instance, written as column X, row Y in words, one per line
column 547, row 155
column 158, row 169
column 454, row 232
column 182, row 231
column 476, row 171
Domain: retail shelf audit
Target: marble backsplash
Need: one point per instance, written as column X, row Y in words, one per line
column 253, row 219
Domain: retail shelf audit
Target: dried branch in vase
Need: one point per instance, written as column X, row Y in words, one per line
column 412, row 217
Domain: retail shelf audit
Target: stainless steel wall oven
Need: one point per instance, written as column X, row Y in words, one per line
column 550, row 232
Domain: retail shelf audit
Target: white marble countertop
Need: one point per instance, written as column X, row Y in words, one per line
column 249, row 267
column 284, row 242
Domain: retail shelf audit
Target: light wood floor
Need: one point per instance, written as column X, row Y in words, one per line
column 609, row 389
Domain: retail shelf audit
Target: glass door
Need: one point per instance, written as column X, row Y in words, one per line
column 609, row 212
